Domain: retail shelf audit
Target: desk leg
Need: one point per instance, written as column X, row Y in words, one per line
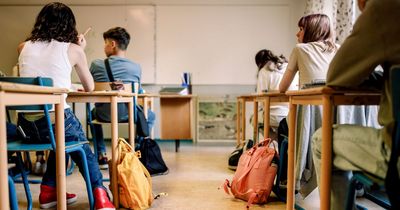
column 291, row 154
column 255, row 121
column 60, row 155
column 114, row 149
column 243, row 120
column 326, row 153
column 266, row 117
column 131, row 124
column 5, row 203
column 238, row 122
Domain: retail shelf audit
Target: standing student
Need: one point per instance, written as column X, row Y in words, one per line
column 310, row 58
column 116, row 41
column 357, row 148
column 52, row 49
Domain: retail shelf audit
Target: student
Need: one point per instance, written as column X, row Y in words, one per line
column 116, row 41
column 270, row 72
column 360, row 53
column 310, row 58
column 52, row 49
column 312, row 55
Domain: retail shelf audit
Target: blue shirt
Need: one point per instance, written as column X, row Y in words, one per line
column 122, row 69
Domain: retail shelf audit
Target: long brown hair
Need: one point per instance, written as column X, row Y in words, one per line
column 317, row 27
column 264, row 55
column 55, row 21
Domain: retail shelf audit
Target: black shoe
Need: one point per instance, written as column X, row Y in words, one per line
column 234, row 158
column 103, row 163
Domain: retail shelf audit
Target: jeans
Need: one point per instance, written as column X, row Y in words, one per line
column 99, row 136
column 11, row 131
column 73, row 132
column 355, row 148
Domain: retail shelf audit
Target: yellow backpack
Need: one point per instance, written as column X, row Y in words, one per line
column 134, row 181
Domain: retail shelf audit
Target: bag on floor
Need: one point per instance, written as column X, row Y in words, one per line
column 255, row 174
column 134, row 181
column 233, row 159
column 151, row 157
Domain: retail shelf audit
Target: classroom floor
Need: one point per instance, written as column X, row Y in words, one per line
column 196, row 172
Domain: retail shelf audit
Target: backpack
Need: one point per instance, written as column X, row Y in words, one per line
column 255, row 174
column 134, row 181
column 151, row 157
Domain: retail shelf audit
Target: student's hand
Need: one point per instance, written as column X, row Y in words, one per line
column 81, row 41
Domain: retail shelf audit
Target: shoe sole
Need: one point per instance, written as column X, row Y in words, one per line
column 54, row 203
column 103, row 167
column 232, row 168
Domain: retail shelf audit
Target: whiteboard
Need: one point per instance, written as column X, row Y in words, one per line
column 218, row 43
column 17, row 22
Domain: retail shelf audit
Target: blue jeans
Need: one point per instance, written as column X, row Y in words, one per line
column 99, row 136
column 11, row 131
column 73, row 132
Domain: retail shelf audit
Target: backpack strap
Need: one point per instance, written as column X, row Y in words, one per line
column 109, row 72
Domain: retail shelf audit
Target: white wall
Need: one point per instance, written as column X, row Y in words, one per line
column 215, row 40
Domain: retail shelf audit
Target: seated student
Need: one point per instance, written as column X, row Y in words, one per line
column 52, row 49
column 360, row 53
column 310, row 58
column 116, row 41
column 270, row 72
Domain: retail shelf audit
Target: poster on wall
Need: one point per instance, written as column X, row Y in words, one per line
column 217, row 120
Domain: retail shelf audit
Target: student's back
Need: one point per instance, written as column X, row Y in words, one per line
column 311, row 60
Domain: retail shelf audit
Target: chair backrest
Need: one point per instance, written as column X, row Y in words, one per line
column 40, row 81
column 100, row 86
column 392, row 177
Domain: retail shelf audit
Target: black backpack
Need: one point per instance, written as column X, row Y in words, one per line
column 151, row 157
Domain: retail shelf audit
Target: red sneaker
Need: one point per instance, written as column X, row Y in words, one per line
column 102, row 202
column 48, row 197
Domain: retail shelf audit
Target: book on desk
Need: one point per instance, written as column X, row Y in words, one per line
column 174, row 91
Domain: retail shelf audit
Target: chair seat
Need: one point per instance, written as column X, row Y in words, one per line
column 20, row 146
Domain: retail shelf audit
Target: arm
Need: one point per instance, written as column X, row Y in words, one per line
column 77, row 59
column 361, row 52
column 290, row 72
column 286, row 80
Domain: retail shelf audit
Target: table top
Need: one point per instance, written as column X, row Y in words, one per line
column 102, row 93
column 332, row 91
column 23, row 88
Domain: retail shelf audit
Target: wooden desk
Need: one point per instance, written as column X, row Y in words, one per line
column 267, row 99
column 112, row 97
column 19, row 94
column 177, row 117
column 241, row 116
column 147, row 101
column 328, row 98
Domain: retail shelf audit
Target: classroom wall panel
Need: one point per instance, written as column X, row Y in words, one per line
column 217, row 43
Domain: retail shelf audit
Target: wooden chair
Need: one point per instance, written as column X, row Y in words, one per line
column 19, row 146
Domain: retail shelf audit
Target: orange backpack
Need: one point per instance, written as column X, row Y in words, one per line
column 255, row 174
